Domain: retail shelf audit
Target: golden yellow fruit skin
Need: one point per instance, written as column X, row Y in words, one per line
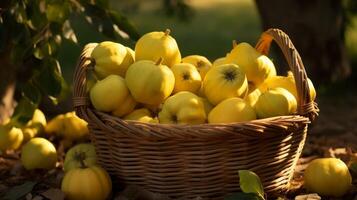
column 187, row 78
column 256, row 66
column 275, row 102
column 217, row 87
column 107, row 94
column 128, row 60
column 201, row 91
column 309, row 82
column 183, row 108
column 84, row 151
column 55, row 125
column 29, row 132
column 109, row 59
column 92, row 183
column 286, row 82
column 38, row 153
column 202, row 64
column 155, row 45
column 253, row 95
column 35, row 125
column 207, row 105
column 69, row 126
column 10, row 137
column 149, row 83
column 219, row 61
column 141, row 115
column 231, row 110
column 38, row 118
column 126, row 107
column 89, row 84
column 328, row 177
column 75, row 128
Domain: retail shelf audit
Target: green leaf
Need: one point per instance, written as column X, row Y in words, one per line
column 102, row 3
column 23, row 111
column 31, row 92
column 242, row 196
column 49, row 79
column 58, row 12
column 19, row 191
column 124, row 24
column 250, row 183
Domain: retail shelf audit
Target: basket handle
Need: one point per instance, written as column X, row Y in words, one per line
column 80, row 97
column 306, row 106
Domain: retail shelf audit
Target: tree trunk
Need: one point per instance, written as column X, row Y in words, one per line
column 316, row 28
column 7, row 87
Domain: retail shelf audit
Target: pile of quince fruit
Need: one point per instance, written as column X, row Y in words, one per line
column 154, row 84
column 84, row 178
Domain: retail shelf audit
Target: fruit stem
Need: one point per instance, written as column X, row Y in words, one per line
column 80, row 156
column 234, row 43
column 167, row 32
column 159, row 61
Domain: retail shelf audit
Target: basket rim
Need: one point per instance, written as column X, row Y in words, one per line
column 261, row 128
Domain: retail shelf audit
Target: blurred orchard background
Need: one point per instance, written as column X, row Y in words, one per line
column 41, row 41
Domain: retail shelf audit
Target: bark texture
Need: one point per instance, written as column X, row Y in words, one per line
column 316, row 28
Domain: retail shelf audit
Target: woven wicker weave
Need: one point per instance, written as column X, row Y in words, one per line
column 200, row 160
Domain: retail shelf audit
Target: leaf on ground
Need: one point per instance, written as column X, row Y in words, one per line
column 54, row 194
column 250, row 183
column 308, row 197
column 19, row 191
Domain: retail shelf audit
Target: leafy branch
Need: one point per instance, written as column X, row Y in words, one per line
column 31, row 34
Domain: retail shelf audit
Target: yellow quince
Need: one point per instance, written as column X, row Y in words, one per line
column 187, row 78
column 150, row 83
column 183, row 108
column 200, row 62
column 155, row 45
column 223, row 82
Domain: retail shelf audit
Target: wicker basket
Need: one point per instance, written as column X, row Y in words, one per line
column 187, row 161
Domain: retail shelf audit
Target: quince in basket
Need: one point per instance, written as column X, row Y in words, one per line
column 223, row 82
column 187, row 78
column 112, row 95
column 155, row 45
column 149, row 82
column 232, row 110
column 202, row 64
column 253, row 95
column 111, row 58
column 219, row 61
column 286, row 82
column 256, row 66
column 275, row 102
column 142, row 115
column 183, row 108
